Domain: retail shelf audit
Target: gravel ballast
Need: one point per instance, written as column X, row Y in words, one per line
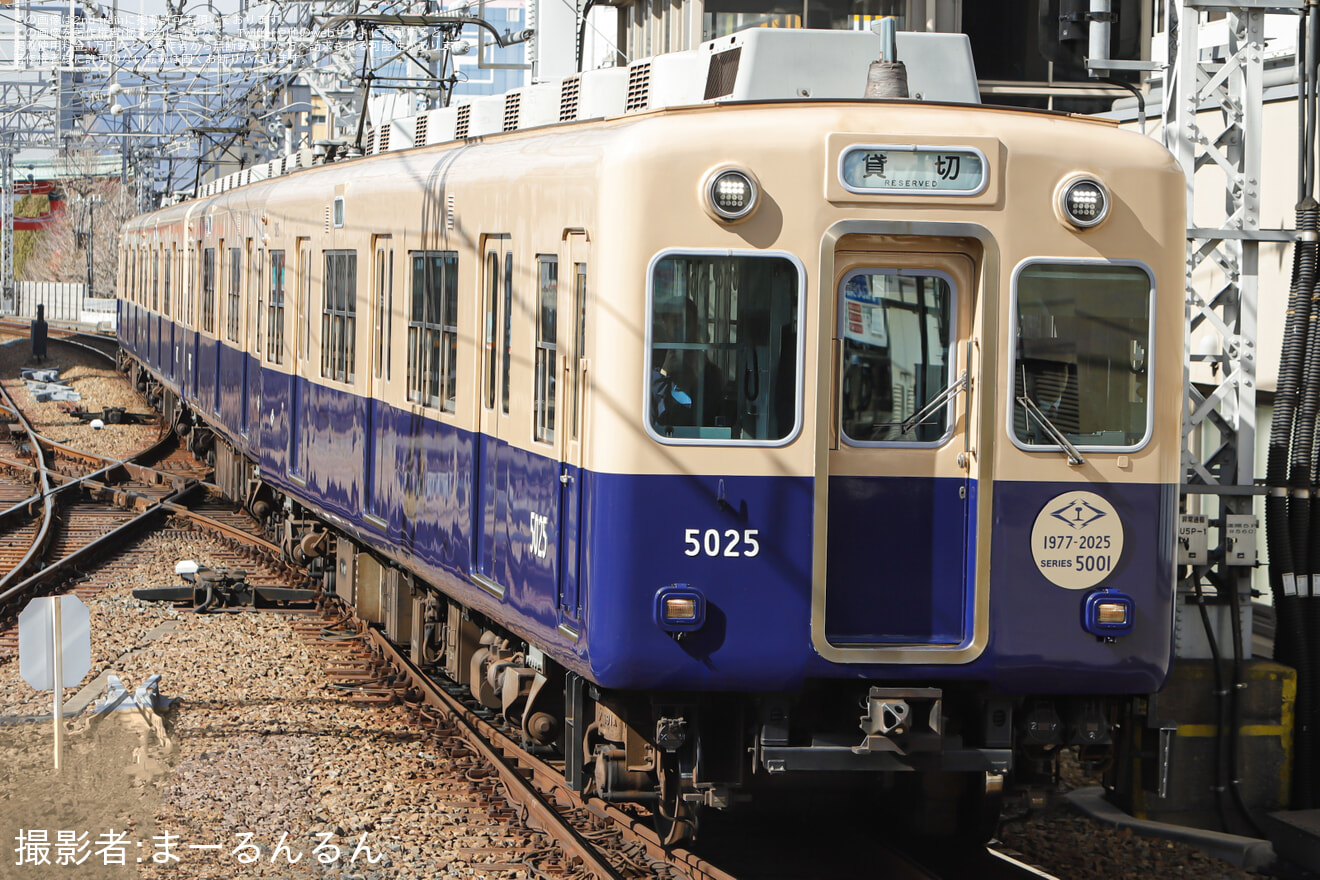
column 100, row 385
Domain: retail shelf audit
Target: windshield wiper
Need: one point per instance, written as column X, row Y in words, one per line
column 1074, row 457
column 908, row 425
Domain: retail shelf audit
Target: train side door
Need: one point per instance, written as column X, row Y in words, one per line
column 170, row 307
column 297, row 376
column 249, row 338
column 226, row 277
column 183, row 343
column 491, row 502
column 205, row 288
column 382, row 307
column 154, row 320
column 897, row 572
column 572, row 404
column 158, row 356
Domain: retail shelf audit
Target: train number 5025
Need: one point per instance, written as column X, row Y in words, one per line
column 731, row 542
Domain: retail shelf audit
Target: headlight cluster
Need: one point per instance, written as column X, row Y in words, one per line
column 730, row 194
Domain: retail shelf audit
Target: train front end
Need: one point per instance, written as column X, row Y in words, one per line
column 902, row 459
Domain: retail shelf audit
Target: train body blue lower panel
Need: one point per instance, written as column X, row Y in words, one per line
column 573, row 560
column 899, row 562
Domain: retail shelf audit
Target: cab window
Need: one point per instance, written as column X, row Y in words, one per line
column 895, row 327
column 723, row 340
column 1082, row 354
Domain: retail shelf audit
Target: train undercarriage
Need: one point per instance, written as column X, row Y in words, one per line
column 938, row 760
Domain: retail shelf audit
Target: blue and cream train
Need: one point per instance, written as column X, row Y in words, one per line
column 725, row 443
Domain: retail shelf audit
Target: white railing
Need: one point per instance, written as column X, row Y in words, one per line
column 64, row 302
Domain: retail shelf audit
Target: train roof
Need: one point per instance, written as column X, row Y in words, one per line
column 757, row 65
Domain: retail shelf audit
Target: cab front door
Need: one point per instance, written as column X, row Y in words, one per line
column 900, row 476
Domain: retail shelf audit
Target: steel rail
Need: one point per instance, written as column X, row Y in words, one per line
column 524, row 773
column 10, row 584
column 1005, row 866
column 159, row 448
column 98, row 479
column 479, row 735
column 48, row 502
column 62, row 567
column 219, row 526
column 77, row 338
column 545, row 782
column 984, row 863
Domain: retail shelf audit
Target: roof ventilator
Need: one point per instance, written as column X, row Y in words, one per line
column 568, row 98
column 639, row 87
column 722, row 73
column 512, row 106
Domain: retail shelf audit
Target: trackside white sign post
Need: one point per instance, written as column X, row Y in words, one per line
column 54, row 650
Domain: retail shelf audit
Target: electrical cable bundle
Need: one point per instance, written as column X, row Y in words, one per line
column 1292, row 517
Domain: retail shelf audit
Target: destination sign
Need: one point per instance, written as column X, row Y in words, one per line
column 882, row 169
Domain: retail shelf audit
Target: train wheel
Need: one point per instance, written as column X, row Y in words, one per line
column 674, row 820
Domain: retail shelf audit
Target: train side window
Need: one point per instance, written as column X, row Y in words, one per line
column 896, row 329
column 449, row 336
column 547, row 306
column 433, row 330
column 1081, row 354
column 208, row 290
column 724, row 348
column 254, row 299
column 177, row 262
column 275, row 310
column 256, row 311
column 339, row 316
column 189, row 287
column 383, row 322
column 232, row 292
column 579, row 339
column 492, row 317
column 304, row 292
column 508, row 325
column 389, row 315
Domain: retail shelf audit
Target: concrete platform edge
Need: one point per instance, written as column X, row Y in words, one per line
column 1245, row 852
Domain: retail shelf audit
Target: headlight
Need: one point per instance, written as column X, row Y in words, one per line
column 730, row 194
column 1083, row 202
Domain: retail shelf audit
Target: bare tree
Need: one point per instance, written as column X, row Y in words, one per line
column 83, row 239
column 31, row 205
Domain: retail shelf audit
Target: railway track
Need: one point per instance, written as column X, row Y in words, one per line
column 102, row 344
column 95, row 543
column 61, row 506
column 54, row 513
column 596, row 837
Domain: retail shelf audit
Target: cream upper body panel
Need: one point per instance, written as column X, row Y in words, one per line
column 789, row 151
column 634, row 185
